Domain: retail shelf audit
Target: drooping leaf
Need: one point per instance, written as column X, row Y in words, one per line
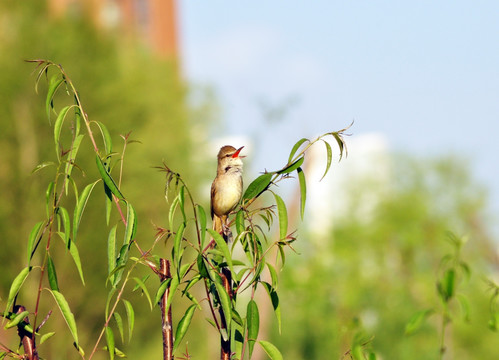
column 143, row 287
column 303, row 190
column 274, row 298
column 161, row 290
column 131, row 223
column 49, row 198
column 58, row 126
column 226, row 304
column 295, row 148
column 110, row 342
column 202, row 267
column 63, row 213
column 106, row 177
column 259, row 185
column 202, row 223
column 119, row 324
column 14, row 288
column 329, row 158
column 271, row 350
column 130, row 316
column 283, row 216
column 51, row 273
column 70, row 160
column 111, row 249
column 183, row 326
column 177, row 244
column 73, row 250
column 33, row 236
column 240, row 222
column 222, row 246
column 66, row 313
column 43, row 165
column 253, row 319
column 416, row 321
column 290, row 168
column 173, row 288
column 54, row 83
column 106, row 137
column 80, row 207
column 273, row 275
column 15, row 320
column 46, row 336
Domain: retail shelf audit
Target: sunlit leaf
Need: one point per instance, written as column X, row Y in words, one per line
column 119, row 324
column 143, row 287
column 303, row 190
column 329, row 158
column 108, row 179
column 51, row 273
column 73, row 250
column 131, row 318
column 70, row 160
column 14, row 288
column 80, row 207
column 58, row 126
column 43, row 165
column 110, row 342
column 183, row 326
column 54, row 83
column 63, row 213
column 222, row 246
column 66, row 313
column 226, row 304
column 106, row 137
column 177, row 244
column 131, row 223
column 33, row 236
column 295, row 148
column 417, row 320
column 271, row 350
column 202, row 223
column 111, row 249
column 49, row 198
column 273, row 275
column 259, row 185
column 161, row 290
column 46, row 336
column 173, row 288
column 274, row 298
column 283, row 216
column 292, row 167
column 16, row 320
column 240, row 222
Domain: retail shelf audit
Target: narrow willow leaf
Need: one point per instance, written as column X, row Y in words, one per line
column 303, row 190
column 119, row 324
column 46, row 336
column 177, row 244
column 73, row 250
column 274, row 298
column 258, row 186
column 253, row 319
column 240, row 222
column 111, row 250
column 181, row 201
column 161, row 290
column 295, row 148
column 108, row 179
column 329, row 158
column 43, row 165
column 416, row 321
column 271, row 350
column 202, row 224
column 130, row 316
column 449, row 284
column 110, row 342
column 66, row 313
column 283, row 216
column 203, row 272
column 109, row 202
column 171, row 212
column 465, row 307
column 222, row 246
column 70, row 159
column 131, row 223
column 183, row 326
column 80, row 207
column 173, row 288
column 16, row 320
column 106, row 137
column 273, row 275
column 54, row 83
column 49, row 198
column 14, row 288
column 51, row 273
column 143, row 287
column 58, row 126
column 341, row 144
column 226, row 304
column 66, row 223
column 33, row 236
column 292, row 167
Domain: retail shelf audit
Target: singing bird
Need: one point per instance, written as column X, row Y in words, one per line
column 227, row 188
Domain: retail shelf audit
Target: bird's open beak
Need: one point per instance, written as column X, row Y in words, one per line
column 236, row 154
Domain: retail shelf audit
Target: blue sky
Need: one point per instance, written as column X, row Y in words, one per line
column 425, row 74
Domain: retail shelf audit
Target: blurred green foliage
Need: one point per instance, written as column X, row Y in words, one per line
column 375, row 272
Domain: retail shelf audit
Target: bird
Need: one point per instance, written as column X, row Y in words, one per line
column 227, row 188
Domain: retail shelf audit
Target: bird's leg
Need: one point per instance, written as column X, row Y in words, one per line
column 226, row 233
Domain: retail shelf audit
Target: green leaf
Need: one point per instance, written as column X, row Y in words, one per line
column 222, row 246
column 33, row 236
column 417, row 320
column 46, row 336
column 183, row 326
column 253, row 319
column 273, row 275
column 303, row 190
column 341, row 144
column 173, row 288
column 130, row 316
column 58, row 126
column 275, row 302
column 271, row 350
column 52, row 275
column 283, row 216
column 70, row 160
column 54, row 83
column 106, row 137
column 119, row 324
column 240, row 222
column 131, row 223
column 295, row 148
column 177, row 244
column 80, row 207
column 258, row 186
column 290, row 168
column 329, row 158
column 143, row 287
column 202, row 223
column 14, row 288
column 226, row 304
column 110, row 342
column 108, row 179
column 63, row 213
column 49, row 198
column 111, row 250
column 202, row 267
column 66, row 313
column 73, row 250
column 161, row 290
column 42, row 166
column 446, row 286
column 16, row 320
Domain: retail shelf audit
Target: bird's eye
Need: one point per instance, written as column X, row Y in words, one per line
column 228, row 155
